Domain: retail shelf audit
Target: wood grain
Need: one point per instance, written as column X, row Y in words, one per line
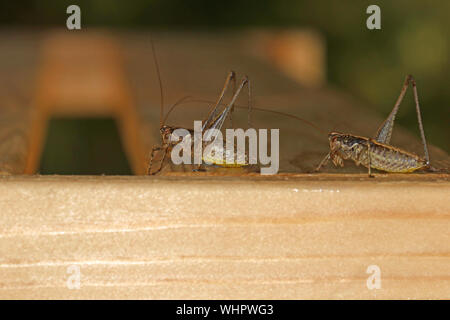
column 288, row 237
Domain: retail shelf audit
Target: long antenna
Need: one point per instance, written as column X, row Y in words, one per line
column 180, row 101
column 161, row 112
column 290, row 116
column 259, row 109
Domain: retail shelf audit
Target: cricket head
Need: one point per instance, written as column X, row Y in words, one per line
column 166, row 132
column 344, row 146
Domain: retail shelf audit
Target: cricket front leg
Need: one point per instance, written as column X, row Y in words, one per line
column 323, row 162
column 166, row 148
column 150, row 163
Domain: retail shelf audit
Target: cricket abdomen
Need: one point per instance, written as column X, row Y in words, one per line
column 390, row 159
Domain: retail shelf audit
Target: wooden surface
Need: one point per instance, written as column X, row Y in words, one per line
column 223, row 234
column 83, row 75
column 241, row 238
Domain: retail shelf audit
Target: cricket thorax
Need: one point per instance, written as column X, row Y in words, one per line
column 344, row 147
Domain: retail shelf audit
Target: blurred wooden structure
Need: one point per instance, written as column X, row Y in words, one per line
column 205, row 235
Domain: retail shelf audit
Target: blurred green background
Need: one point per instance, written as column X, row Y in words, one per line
column 95, row 148
column 367, row 63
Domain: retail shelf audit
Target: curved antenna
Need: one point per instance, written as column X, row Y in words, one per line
column 270, row 111
column 161, row 112
column 178, row 102
column 290, row 116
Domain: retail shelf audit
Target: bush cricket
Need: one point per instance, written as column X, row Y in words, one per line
column 376, row 152
column 215, row 120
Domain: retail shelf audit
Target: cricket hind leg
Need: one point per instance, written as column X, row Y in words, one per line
column 218, row 122
column 232, row 109
column 384, row 133
column 231, row 78
column 249, row 103
column 419, row 120
column 436, row 170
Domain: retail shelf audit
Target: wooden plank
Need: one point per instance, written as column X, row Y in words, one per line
column 243, row 238
column 82, row 75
